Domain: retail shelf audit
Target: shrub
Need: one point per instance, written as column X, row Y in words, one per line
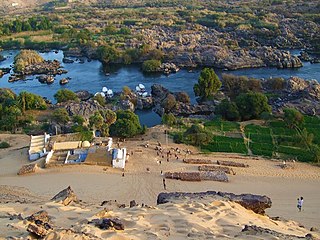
column 151, row 66
column 169, row 119
column 64, row 95
column 61, row 115
column 4, row 145
column 251, row 105
column 183, row 97
column 169, row 103
column 126, row 125
column 228, row 110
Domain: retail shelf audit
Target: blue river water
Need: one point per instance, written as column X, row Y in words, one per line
column 91, row 76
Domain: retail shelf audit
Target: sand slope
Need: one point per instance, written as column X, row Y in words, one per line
column 94, row 184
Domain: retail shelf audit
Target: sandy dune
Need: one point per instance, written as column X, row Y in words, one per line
column 94, row 184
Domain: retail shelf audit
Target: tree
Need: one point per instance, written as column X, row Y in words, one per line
column 208, row 84
column 126, row 125
column 228, row 110
column 96, row 120
column 169, row 119
column 64, row 95
column 151, row 66
column 30, row 101
column 235, row 85
column 196, row 135
column 78, row 119
column 61, row 116
column 293, row 118
column 251, row 105
column 108, row 54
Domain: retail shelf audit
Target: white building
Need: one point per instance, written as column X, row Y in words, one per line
column 38, row 146
column 119, row 157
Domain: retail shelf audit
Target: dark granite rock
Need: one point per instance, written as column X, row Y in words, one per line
column 256, row 203
column 66, row 196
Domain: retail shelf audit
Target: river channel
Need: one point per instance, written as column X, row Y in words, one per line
column 92, row 76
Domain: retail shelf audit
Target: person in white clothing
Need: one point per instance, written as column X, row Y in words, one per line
column 300, row 203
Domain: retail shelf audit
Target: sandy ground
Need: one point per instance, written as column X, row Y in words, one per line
column 95, row 184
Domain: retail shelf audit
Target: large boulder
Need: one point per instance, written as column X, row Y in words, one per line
column 159, row 93
column 39, row 223
column 109, row 223
column 83, row 108
column 66, row 196
column 256, row 203
column 296, row 84
column 83, row 95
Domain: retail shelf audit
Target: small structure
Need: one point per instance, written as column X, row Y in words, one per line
column 119, row 157
column 38, row 146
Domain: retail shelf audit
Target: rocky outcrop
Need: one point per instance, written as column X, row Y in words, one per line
column 253, row 230
column 66, row 196
column 158, row 93
column 46, row 79
column 46, row 67
column 39, row 223
column 296, row 84
column 83, row 108
column 83, row 95
column 256, row 203
column 144, row 103
column 27, row 169
column 108, row 223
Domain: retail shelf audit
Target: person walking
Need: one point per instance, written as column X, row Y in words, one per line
column 164, row 184
column 300, row 203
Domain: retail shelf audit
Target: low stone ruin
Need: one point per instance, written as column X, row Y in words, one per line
column 210, row 168
column 198, row 161
column 232, row 164
column 198, row 176
column 26, row 169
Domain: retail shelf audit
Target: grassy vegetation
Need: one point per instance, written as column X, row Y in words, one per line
column 271, row 139
column 114, row 23
column 226, row 144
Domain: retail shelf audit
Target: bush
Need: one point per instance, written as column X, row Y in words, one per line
column 169, row 103
column 4, row 145
column 228, row 110
column 61, row 115
column 235, row 85
column 64, row 95
column 126, row 125
column 151, row 66
column 251, row 105
column 169, row 119
column 183, row 97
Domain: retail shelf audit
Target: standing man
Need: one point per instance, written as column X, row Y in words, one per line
column 300, row 203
